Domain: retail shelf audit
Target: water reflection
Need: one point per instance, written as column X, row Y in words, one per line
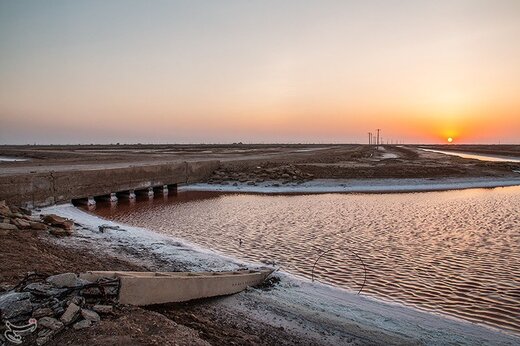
column 481, row 157
column 456, row 251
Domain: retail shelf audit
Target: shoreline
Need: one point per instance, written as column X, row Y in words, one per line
column 320, row 308
column 318, row 186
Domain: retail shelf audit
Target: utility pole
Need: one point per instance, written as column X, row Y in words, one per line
column 370, row 138
column 378, row 136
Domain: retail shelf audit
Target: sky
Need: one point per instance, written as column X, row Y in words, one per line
column 259, row 71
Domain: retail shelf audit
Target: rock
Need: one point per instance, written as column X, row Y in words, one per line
column 21, row 223
column 90, row 315
column 103, row 309
column 8, row 226
column 38, row 226
column 91, row 291
column 43, row 289
column 50, row 323
column 4, row 232
column 14, row 304
column 82, row 324
column 70, row 314
column 102, row 228
column 64, row 280
column 42, row 340
column 58, row 221
column 4, row 209
column 58, row 232
column 42, row 312
column 79, row 301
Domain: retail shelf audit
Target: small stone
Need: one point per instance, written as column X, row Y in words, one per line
column 43, row 289
column 58, row 232
column 42, row 340
column 4, row 209
column 91, row 291
column 58, row 221
column 4, row 232
column 50, row 323
column 42, row 312
column 103, row 309
column 82, row 324
column 90, row 315
column 70, row 314
column 79, row 301
column 38, row 226
column 8, row 226
column 63, row 280
column 21, row 223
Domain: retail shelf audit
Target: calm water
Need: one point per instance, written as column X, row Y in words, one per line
column 456, row 252
column 481, row 157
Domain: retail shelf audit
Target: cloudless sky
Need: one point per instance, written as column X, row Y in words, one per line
column 259, row 71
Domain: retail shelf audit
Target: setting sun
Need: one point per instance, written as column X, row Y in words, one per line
column 450, row 139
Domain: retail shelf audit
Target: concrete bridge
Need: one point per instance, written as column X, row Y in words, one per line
column 42, row 188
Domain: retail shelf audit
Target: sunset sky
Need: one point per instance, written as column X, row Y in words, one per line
column 259, row 71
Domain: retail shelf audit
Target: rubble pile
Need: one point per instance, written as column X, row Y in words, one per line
column 20, row 220
column 55, row 303
column 284, row 174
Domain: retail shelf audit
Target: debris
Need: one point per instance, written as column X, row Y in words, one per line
column 90, row 315
column 8, row 226
column 70, row 314
column 103, row 309
column 42, row 312
column 58, row 221
column 50, row 323
column 64, row 280
column 102, row 228
column 82, row 324
column 38, row 226
column 58, row 232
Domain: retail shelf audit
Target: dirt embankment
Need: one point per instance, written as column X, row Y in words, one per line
column 358, row 162
column 194, row 323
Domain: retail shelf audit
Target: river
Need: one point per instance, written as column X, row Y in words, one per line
column 454, row 252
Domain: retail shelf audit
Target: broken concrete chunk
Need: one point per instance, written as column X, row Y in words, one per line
column 90, row 315
column 103, row 309
column 70, row 314
column 82, row 324
column 64, row 280
column 43, row 289
column 42, row 312
column 50, row 323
